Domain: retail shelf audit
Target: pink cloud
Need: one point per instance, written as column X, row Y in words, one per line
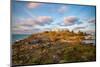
column 92, row 20
column 26, row 22
column 29, row 25
column 70, row 20
column 41, row 20
column 33, row 5
column 32, row 22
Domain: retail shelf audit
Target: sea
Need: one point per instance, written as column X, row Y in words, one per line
column 16, row 37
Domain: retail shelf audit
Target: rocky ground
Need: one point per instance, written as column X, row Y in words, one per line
column 52, row 47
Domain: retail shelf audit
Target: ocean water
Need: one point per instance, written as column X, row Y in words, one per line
column 16, row 37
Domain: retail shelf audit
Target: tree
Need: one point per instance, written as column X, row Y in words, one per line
column 80, row 33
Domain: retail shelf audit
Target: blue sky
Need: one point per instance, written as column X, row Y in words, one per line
column 31, row 17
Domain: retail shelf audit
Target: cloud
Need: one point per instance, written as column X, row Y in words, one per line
column 22, row 26
column 78, row 28
column 70, row 20
column 91, row 31
column 93, row 20
column 59, row 10
column 31, row 22
column 26, row 31
column 26, row 22
column 29, row 25
column 33, row 5
column 42, row 20
column 62, row 9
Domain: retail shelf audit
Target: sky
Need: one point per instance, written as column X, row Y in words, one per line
column 32, row 17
